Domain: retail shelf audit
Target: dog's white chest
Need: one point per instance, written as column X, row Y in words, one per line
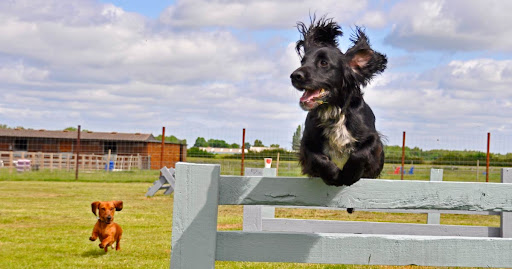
column 339, row 141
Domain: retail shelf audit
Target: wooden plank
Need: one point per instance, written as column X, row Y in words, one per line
column 169, row 175
column 194, row 228
column 51, row 161
column 408, row 211
column 157, row 185
column 253, row 214
column 332, row 226
column 11, row 161
column 363, row 249
column 435, row 175
column 506, row 218
column 366, row 193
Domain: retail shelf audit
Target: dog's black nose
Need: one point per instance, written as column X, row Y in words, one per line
column 298, row 76
column 109, row 217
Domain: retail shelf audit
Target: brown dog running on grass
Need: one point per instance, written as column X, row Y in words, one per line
column 106, row 229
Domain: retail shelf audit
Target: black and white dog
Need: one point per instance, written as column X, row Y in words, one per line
column 340, row 143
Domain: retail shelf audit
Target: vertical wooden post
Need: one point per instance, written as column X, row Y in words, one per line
column 77, row 152
column 254, row 214
column 162, row 149
column 51, row 161
column 477, row 169
column 506, row 217
column 59, row 166
column 403, row 158
column 108, row 159
column 488, row 153
column 277, row 165
column 41, row 160
column 11, row 161
column 91, row 157
column 435, row 175
column 194, row 228
column 130, row 160
column 243, row 153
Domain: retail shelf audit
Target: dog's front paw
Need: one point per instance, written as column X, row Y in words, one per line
column 101, row 245
column 92, row 238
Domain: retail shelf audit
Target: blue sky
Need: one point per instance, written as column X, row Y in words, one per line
column 210, row 68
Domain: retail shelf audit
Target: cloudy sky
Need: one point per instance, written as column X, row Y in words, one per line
column 210, row 68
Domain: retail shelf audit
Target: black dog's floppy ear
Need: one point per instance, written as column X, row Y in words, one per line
column 364, row 61
column 319, row 33
column 118, row 205
column 94, row 207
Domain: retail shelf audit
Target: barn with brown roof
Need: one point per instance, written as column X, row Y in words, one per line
column 133, row 150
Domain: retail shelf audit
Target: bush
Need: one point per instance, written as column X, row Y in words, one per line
column 283, row 155
column 196, row 152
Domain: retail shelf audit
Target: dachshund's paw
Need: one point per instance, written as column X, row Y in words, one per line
column 101, row 245
column 92, row 238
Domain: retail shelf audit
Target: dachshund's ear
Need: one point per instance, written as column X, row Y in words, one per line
column 364, row 61
column 94, row 207
column 118, row 205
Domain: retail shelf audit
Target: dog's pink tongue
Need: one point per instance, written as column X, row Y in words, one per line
column 309, row 95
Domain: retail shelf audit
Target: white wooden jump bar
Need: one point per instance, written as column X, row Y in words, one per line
column 367, row 227
column 364, row 249
column 196, row 243
column 366, row 193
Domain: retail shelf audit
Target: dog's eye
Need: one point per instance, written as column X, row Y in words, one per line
column 323, row 63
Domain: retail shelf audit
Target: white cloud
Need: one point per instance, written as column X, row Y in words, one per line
column 462, row 97
column 256, row 14
column 453, row 25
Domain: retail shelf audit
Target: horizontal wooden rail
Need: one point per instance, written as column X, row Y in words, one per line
column 366, row 194
column 363, row 249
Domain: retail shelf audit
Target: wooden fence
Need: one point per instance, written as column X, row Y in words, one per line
column 200, row 189
column 262, row 218
column 67, row 161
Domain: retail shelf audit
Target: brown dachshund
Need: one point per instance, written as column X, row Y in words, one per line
column 106, row 229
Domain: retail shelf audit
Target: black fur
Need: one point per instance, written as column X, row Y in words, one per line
column 340, row 126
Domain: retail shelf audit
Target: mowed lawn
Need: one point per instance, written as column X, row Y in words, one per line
column 48, row 224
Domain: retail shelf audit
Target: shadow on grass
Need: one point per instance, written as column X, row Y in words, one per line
column 94, row 253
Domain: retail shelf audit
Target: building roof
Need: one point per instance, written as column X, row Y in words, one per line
column 85, row 135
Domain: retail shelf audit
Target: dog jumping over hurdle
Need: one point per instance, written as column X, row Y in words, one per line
column 340, row 143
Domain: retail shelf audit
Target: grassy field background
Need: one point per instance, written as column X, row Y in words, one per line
column 46, row 220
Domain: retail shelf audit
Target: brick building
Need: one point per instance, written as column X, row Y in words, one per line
column 15, row 143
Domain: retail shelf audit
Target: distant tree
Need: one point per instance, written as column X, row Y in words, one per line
column 4, row 126
column 71, row 129
column 297, row 137
column 258, row 143
column 274, row 146
column 196, row 152
column 172, row 139
column 247, row 145
column 217, row 143
column 235, row 146
column 201, row 142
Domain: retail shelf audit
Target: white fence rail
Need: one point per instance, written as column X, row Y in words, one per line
column 262, row 218
column 67, row 161
column 200, row 189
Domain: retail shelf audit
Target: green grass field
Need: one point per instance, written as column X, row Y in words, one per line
column 46, row 220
